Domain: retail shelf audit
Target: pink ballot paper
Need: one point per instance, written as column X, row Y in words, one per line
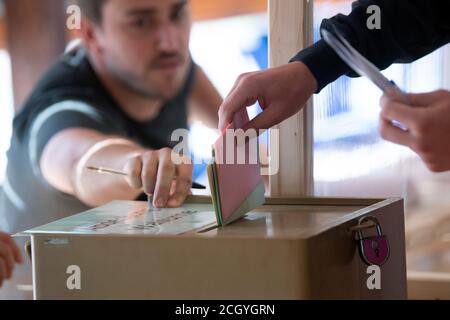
column 235, row 174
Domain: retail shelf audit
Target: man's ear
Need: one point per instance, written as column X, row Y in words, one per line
column 90, row 37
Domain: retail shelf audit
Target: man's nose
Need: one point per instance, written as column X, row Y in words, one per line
column 167, row 38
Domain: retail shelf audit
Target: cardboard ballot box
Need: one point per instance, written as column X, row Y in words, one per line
column 286, row 249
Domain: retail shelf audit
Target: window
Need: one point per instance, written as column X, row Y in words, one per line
column 350, row 158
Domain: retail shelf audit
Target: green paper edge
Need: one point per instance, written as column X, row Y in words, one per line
column 253, row 201
column 218, row 204
column 217, row 193
column 213, row 191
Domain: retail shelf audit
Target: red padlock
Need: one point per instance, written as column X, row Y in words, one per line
column 373, row 250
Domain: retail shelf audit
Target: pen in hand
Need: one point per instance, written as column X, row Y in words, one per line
column 102, row 170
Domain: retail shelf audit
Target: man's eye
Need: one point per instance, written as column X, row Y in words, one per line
column 141, row 23
column 179, row 14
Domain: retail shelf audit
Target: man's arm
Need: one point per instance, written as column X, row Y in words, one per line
column 67, row 154
column 410, row 29
column 204, row 100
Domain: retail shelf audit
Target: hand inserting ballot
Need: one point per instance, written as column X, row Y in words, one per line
column 281, row 93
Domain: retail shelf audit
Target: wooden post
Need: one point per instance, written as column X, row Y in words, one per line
column 35, row 38
column 2, row 26
column 216, row 9
column 290, row 31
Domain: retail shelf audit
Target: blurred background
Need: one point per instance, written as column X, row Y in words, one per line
column 231, row 37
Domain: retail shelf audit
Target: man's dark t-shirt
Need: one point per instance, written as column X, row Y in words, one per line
column 71, row 95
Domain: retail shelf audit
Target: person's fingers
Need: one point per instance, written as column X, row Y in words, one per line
column 172, row 188
column 165, row 176
column 7, row 256
column 133, row 169
column 238, row 81
column 17, row 255
column 182, row 187
column 149, row 171
column 3, row 271
column 393, row 134
column 396, row 94
column 241, row 97
column 4, row 236
column 393, row 110
column 266, row 119
column 16, row 251
column 426, row 99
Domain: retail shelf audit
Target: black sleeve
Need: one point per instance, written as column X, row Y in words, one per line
column 410, row 29
column 65, row 115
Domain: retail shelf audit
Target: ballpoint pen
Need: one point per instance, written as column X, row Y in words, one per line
column 195, row 185
column 358, row 62
column 363, row 67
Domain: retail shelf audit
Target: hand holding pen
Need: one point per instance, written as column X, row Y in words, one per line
column 167, row 184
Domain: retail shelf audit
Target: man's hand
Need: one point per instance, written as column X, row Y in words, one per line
column 427, row 117
column 9, row 255
column 281, row 93
column 68, row 154
column 163, row 174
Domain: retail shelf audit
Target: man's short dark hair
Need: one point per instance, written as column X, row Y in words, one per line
column 92, row 9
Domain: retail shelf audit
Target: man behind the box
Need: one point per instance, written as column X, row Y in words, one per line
column 113, row 102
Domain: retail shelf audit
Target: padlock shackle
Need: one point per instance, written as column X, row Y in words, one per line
column 369, row 218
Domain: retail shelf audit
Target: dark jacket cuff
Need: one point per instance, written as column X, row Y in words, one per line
column 323, row 63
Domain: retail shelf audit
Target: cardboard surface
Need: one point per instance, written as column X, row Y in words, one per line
column 302, row 250
column 129, row 217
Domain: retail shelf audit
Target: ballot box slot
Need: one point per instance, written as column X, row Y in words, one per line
column 208, row 229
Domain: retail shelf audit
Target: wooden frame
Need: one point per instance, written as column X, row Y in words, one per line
column 2, row 32
column 216, row 9
column 428, row 271
column 290, row 31
column 34, row 41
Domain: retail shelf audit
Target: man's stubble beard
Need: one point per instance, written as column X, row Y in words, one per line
column 131, row 83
